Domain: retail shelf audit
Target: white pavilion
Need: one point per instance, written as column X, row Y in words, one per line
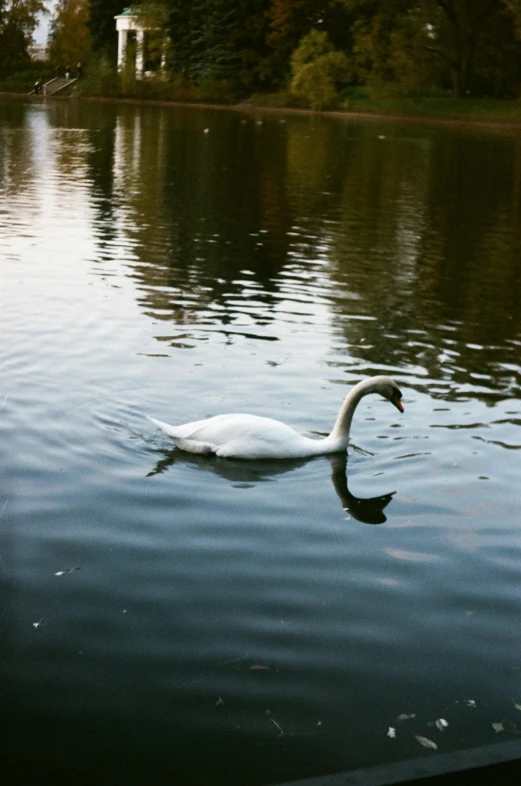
column 136, row 20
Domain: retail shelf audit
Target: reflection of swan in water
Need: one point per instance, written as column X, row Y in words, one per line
column 369, row 510
column 240, row 473
column 254, row 437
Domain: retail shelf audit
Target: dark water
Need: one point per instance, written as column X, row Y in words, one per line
column 175, row 619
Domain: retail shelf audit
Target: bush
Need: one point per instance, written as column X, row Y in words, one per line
column 23, row 81
column 103, row 79
column 100, row 79
column 318, row 70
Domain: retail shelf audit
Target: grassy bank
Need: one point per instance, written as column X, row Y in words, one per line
column 102, row 81
column 350, row 101
column 442, row 108
column 477, row 109
column 104, row 84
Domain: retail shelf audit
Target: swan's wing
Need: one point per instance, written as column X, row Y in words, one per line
column 241, row 436
column 252, row 437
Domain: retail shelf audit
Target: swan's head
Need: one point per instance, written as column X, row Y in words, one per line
column 388, row 388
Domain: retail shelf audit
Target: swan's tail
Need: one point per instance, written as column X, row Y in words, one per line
column 190, row 445
column 170, row 430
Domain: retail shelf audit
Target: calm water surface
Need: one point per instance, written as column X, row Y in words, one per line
column 169, row 618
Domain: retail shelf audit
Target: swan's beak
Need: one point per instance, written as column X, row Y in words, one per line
column 395, row 399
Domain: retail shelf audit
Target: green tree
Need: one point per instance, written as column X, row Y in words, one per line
column 317, row 69
column 221, row 40
column 103, row 26
column 18, row 21
column 514, row 6
column 290, row 20
column 254, row 67
column 69, row 38
column 465, row 43
column 198, row 35
column 382, row 50
column 458, row 28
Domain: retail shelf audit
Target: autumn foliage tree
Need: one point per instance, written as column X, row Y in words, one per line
column 69, row 38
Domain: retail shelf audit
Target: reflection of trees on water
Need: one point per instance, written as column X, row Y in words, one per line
column 440, row 216
column 409, row 236
column 100, row 162
column 190, row 205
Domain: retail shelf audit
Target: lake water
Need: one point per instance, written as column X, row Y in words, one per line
column 169, row 618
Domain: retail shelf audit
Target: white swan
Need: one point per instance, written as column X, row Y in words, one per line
column 254, row 437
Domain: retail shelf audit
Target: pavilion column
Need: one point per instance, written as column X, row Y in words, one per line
column 122, row 48
column 164, row 50
column 140, row 52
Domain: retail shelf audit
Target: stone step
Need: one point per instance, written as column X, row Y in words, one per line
column 58, row 85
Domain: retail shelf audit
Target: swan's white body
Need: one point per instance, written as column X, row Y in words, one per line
column 254, row 437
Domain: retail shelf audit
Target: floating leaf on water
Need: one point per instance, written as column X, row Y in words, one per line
column 404, row 717
column 498, row 727
column 279, row 727
column 426, row 742
column 441, row 724
column 67, row 570
column 391, row 732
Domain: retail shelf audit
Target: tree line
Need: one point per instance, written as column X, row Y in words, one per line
column 462, row 46
column 314, row 47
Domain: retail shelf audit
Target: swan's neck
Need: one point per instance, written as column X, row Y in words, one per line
column 342, row 426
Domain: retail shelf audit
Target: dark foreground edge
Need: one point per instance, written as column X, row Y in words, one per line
column 490, row 765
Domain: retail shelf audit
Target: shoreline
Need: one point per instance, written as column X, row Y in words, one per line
column 247, row 107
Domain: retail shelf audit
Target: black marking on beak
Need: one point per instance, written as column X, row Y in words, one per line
column 395, row 399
